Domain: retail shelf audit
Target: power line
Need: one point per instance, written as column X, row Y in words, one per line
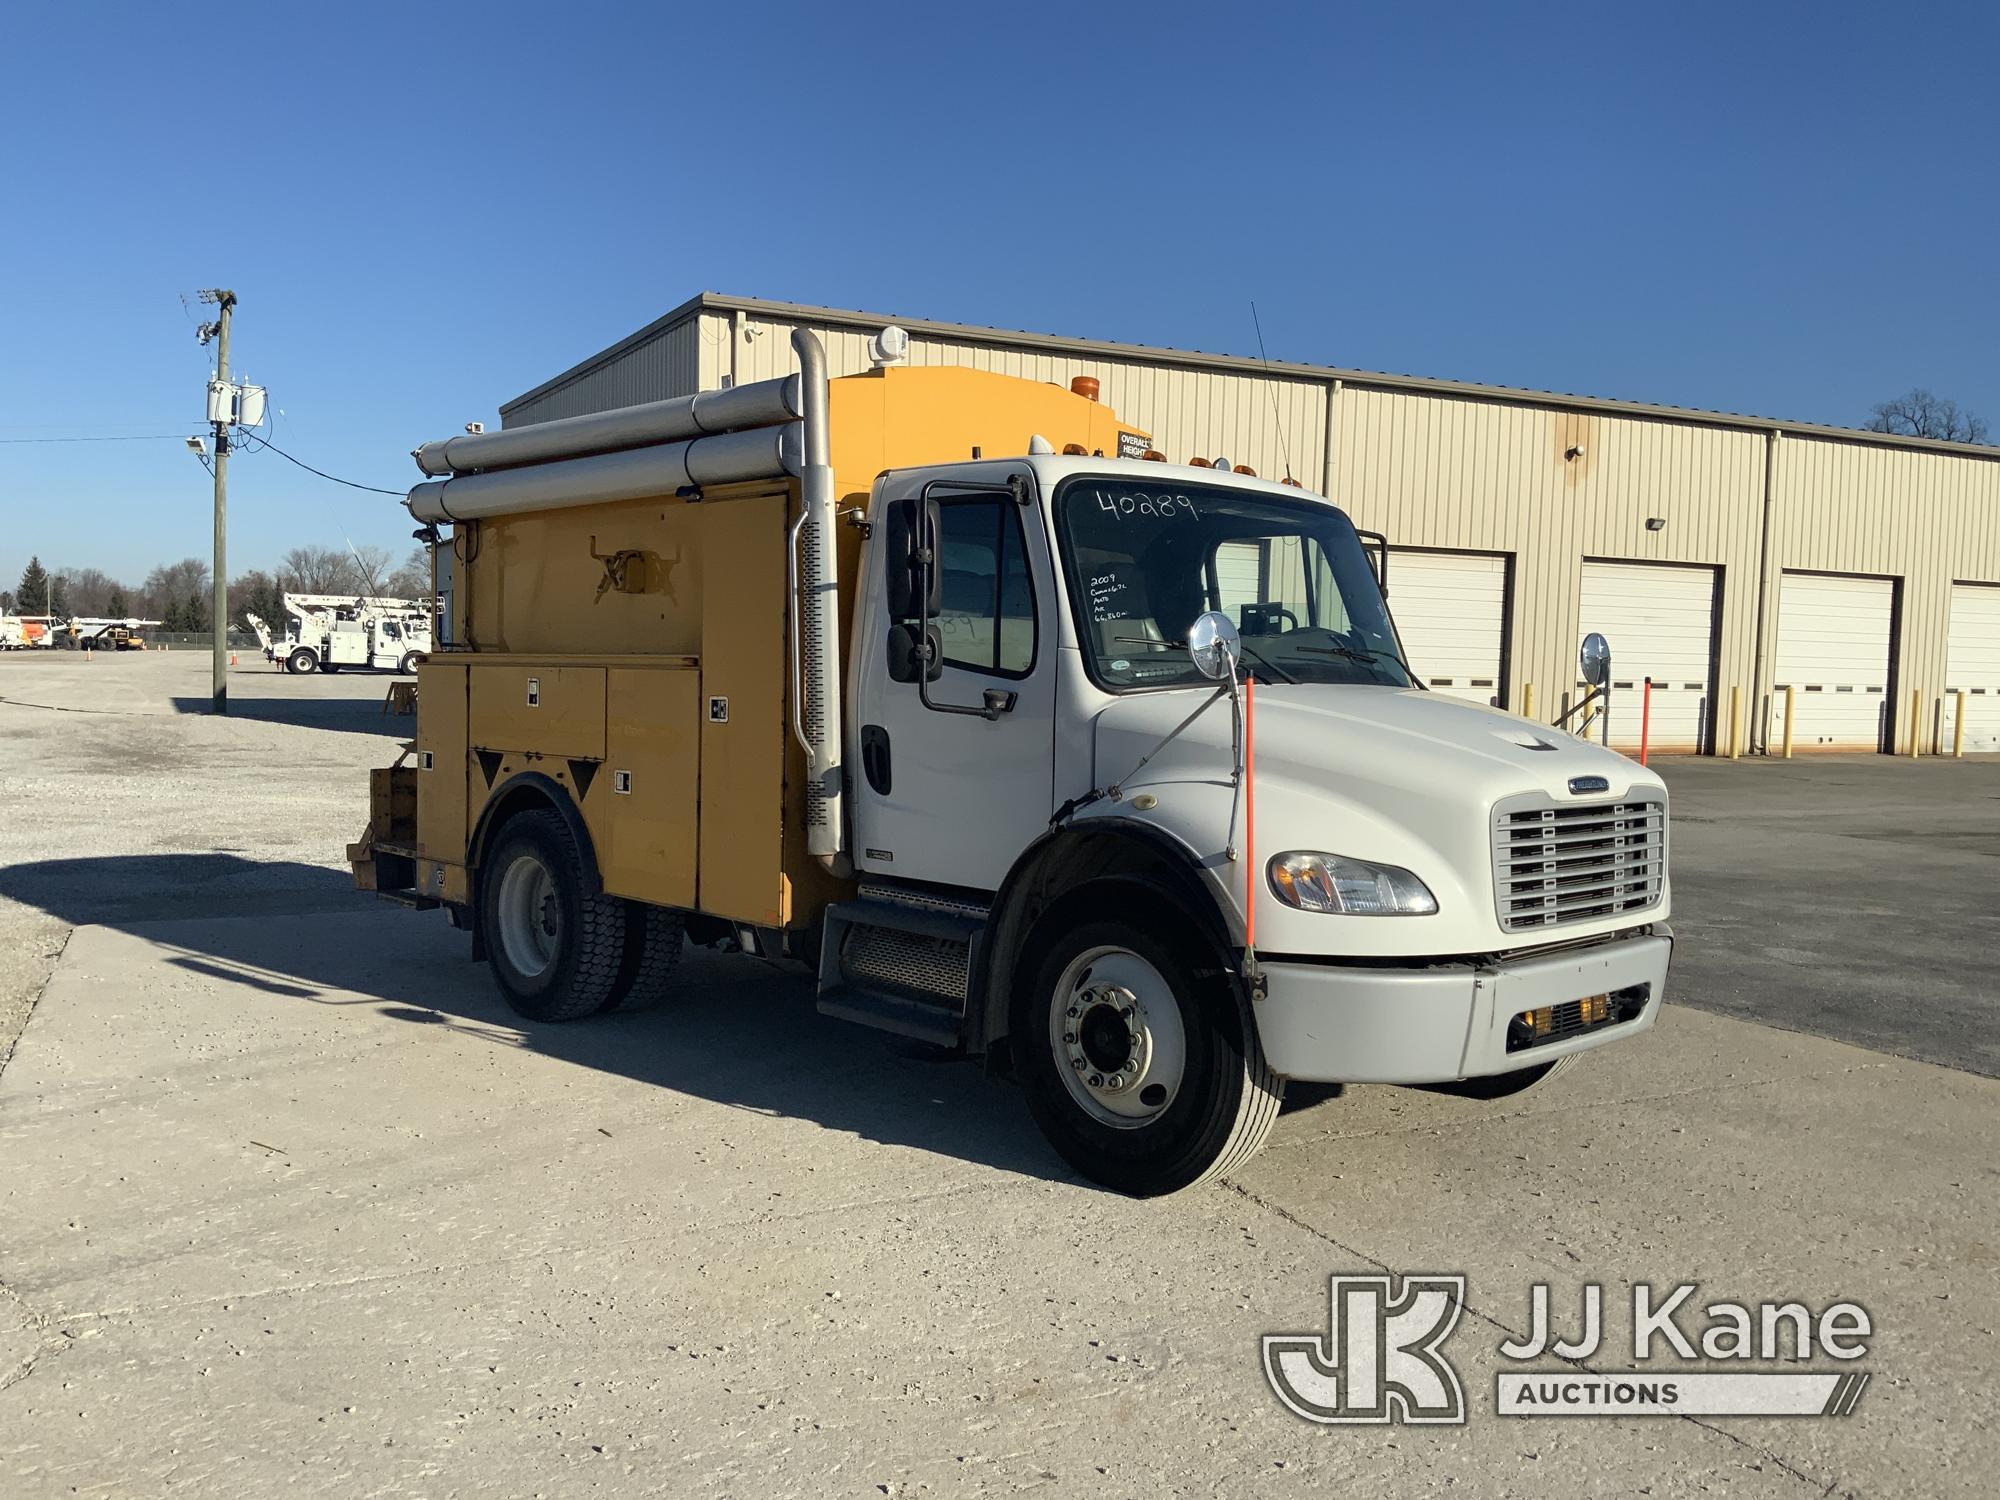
column 371, row 489
column 135, row 437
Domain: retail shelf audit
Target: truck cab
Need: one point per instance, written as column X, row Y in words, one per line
column 1106, row 769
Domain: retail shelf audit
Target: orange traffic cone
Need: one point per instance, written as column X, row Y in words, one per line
column 232, row 658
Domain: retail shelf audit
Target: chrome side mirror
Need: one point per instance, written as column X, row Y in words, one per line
column 1595, row 659
column 1214, row 644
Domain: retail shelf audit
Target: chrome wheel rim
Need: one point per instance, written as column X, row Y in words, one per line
column 529, row 916
column 1116, row 1033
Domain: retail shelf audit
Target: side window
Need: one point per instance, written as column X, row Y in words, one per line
column 986, row 618
column 392, row 630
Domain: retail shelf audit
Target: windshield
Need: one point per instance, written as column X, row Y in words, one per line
column 1143, row 560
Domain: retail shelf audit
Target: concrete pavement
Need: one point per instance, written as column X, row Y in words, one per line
column 288, row 1199
column 292, row 1201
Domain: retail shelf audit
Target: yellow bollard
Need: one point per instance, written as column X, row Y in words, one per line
column 1735, row 723
column 1958, row 729
column 1916, row 729
column 1528, row 701
column 1791, row 702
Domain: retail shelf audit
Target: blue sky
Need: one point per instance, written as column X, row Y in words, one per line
column 427, row 209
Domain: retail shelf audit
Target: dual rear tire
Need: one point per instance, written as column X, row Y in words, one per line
column 558, row 952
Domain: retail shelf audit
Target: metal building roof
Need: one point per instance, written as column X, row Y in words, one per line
column 1235, row 364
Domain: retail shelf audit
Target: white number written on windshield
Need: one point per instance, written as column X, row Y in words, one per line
column 1149, row 507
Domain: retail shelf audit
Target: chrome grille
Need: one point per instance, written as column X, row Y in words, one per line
column 1559, row 863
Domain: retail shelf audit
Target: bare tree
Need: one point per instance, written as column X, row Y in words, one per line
column 371, row 568
column 173, row 584
column 318, row 570
column 89, row 590
column 413, row 579
column 1921, row 414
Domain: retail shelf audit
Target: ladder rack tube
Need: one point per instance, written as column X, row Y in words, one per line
column 762, row 453
column 767, row 403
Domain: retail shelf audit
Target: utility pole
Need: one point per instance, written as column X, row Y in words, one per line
column 219, row 606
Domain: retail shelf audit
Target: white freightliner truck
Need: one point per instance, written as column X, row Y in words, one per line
column 1034, row 809
column 325, row 632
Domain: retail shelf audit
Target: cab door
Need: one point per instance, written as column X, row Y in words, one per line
column 952, row 768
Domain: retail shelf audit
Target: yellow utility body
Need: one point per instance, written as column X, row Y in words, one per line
column 633, row 659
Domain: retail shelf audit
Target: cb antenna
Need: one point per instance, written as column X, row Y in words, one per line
column 1277, row 419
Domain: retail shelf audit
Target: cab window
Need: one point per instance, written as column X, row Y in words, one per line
column 986, row 618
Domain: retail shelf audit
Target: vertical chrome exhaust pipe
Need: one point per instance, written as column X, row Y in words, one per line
column 816, row 618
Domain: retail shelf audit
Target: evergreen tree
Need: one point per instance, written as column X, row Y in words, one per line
column 33, row 593
column 170, row 617
column 195, row 613
column 116, row 605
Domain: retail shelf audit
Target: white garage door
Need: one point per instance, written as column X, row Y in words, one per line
column 1973, row 666
column 1450, row 610
column 1833, row 649
column 1660, row 621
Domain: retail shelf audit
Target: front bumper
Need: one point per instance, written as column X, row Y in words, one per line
column 1333, row 1024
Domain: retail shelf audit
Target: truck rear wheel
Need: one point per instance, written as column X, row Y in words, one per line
column 302, row 662
column 1141, row 1062
column 557, row 952
column 654, row 942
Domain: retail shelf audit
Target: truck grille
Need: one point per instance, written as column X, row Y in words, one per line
column 1555, row 864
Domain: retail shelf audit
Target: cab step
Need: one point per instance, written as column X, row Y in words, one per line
column 900, row 967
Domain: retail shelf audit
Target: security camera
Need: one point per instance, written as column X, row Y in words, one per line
column 195, row 445
column 475, row 428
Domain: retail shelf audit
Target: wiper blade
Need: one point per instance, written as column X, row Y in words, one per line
column 1365, row 654
column 1264, row 661
column 1258, row 656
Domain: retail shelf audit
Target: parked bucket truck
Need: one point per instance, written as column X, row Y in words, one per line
column 1026, row 742
column 325, row 632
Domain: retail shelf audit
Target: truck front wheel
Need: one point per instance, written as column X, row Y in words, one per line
column 558, row 953
column 302, row 662
column 1141, row 1062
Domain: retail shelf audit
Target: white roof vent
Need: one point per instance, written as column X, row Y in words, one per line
column 890, row 346
column 1040, row 444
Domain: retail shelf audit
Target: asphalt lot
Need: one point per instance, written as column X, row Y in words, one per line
column 1854, row 897
column 289, row 1199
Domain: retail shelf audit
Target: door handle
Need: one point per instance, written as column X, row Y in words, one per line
column 875, row 758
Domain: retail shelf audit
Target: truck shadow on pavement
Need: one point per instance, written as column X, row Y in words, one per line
column 346, row 715
column 735, row 1030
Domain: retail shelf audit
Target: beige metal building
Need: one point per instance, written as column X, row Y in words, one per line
column 1737, row 562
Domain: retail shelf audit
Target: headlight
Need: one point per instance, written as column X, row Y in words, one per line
column 1353, row 887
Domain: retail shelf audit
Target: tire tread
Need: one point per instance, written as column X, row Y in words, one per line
column 656, row 944
column 598, row 960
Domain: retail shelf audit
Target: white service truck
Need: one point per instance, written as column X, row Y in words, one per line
column 1109, row 769
column 325, row 632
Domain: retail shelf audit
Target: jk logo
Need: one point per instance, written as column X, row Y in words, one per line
column 1379, row 1361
